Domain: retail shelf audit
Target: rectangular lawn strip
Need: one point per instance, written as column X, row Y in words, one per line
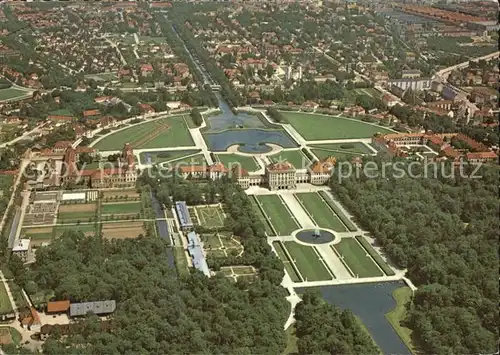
column 320, row 212
column 320, row 127
column 243, row 270
column 351, row 147
column 278, row 214
column 290, row 266
column 66, row 217
column 198, row 159
column 355, row 256
column 376, row 256
column 308, row 262
column 181, row 263
column 43, row 233
column 5, row 305
column 260, row 214
column 232, row 160
column 210, row 241
column 348, row 223
column 294, row 157
column 118, row 208
column 336, row 252
column 226, row 271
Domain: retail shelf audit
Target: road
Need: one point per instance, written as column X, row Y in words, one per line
column 113, row 44
column 22, row 166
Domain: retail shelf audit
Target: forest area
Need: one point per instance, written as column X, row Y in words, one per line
column 324, row 329
column 445, row 232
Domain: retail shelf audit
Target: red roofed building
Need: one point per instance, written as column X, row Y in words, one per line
column 102, row 99
column 91, row 113
column 58, row 306
column 321, row 171
column 58, row 118
column 127, row 158
column 145, row 108
column 31, row 320
column 61, row 146
column 146, row 69
column 482, row 157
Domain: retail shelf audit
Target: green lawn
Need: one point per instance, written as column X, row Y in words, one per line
column 198, row 159
column 211, row 241
column 294, row 157
column 355, row 257
column 355, row 147
column 210, row 217
column 291, row 341
column 278, row 214
column 162, row 133
column 28, row 233
column 61, row 112
column 160, row 157
column 376, row 256
column 9, row 94
column 308, row 262
column 322, row 154
column 289, row 265
column 318, row 127
column 5, row 305
column 68, row 217
column 402, row 296
column 119, row 208
column 320, row 212
column 262, row 218
column 347, row 222
column 232, row 160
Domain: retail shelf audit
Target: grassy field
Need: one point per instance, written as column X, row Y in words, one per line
column 9, row 94
column 44, row 233
column 121, row 208
column 198, row 159
column 294, row 157
column 210, row 216
column 320, row 212
column 318, row 127
column 162, row 133
column 289, row 265
column 161, row 157
column 402, row 296
column 70, row 217
column 355, row 257
column 5, row 305
column 376, row 256
column 308, row 262
column 291, row 341
column 354, row 148
column 278, row 214
column 262, row 218
column 322, row 154
column 246, row 162
column 347, row 222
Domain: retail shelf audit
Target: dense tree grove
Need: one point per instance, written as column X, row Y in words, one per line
column 156, row 311
column 444, row 230
column 324, row 329
column 196, row 117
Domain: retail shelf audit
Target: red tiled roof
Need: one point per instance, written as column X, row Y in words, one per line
column 57, row 306
column 280, row 167
column 88, row 113
column 482, row 155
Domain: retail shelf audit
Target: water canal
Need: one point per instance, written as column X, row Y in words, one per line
column 370, row 302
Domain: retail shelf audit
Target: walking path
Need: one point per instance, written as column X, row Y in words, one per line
column 297, row 210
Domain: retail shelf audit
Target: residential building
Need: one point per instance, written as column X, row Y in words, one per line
column 321, row 171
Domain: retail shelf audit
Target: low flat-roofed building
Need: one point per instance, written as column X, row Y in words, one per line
column 195, row 250
column 97, row 307
column 183, row 215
